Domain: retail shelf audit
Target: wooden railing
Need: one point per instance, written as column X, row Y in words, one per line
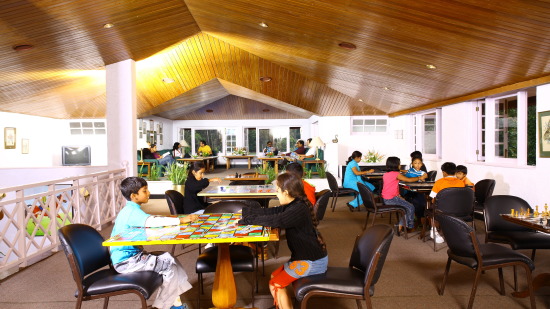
column 27, row 233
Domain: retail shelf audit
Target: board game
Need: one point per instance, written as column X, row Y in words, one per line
column 209, row 228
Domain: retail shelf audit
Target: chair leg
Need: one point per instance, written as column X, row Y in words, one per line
column 373, row 218
column 143, row 301
column 501, row 280
column 474, row 288
column 367, row 220
column 201, row 286
column 515, row 279
column 173, row 250
column 106, row 303
column 367, row 302
column 533, row 255
column 529, row 276
column 334, row 202
column 445, row 274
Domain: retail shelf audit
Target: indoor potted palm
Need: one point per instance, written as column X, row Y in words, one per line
column 177, row 174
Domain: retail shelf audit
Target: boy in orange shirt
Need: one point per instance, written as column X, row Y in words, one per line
column 449, row 180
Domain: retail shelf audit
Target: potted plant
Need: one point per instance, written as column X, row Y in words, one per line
column 373, row 156
column 177, row 173
column 156, row 172
column 268, row 171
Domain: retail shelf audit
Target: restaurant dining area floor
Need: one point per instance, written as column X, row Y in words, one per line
column 410, row 277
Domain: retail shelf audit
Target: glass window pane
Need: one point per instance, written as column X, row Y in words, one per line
column 357, row 122
column 370, row 122
column 381, row 122
column 380, row 129
column 356, row 129
column 213, row 138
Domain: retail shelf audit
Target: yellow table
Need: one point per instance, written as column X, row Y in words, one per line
column 208, row 161
column 141, row 164
column 229, row 158
column 224, row 293
column 265, row 160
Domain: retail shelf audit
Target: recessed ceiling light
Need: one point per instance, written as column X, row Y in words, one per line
column 107, row 26
column 22, row 47
column 263, row 25
column 265, row 79
column 265, row 110
column 209, row 110
column 360, row 100
column 347, row 45
column 168, row 80
column 386, row 88
column 431, row 66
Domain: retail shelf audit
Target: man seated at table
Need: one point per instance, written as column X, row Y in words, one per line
column 310, row 152
column 449, row 180
column 300, row 149
column 270, row 149
column 128, row 259
column 204, row 150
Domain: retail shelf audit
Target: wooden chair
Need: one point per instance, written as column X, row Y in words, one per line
column 358, row 279
column 87, row 258
column 465, row 249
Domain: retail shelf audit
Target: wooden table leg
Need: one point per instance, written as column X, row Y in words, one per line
column 538, row 282
column 224, row 292
column 249, row 162
column 228, row 163
column 276, row 165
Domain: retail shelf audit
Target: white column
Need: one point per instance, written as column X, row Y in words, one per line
column 121, row 116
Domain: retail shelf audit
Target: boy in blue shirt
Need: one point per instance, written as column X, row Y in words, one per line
column 415, row 198
column 127, row 259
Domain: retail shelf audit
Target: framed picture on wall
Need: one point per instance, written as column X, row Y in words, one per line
column 24, row 146
column 9, row 138
column 160, row 139
column 544, row 134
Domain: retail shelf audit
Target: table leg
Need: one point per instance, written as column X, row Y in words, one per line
column 538, row 282
column 227, row 163
column 249, row 162
column 264, row 164
column 224, row 292
column 276, row 164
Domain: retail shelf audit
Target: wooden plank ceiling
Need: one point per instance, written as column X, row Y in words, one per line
column 216, row 51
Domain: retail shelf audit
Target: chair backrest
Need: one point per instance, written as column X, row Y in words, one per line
column 366, row 196
column 458, row 234
column 332, row 183
column 82, row 246
column 370, row 251
column 175, row 202
column 431, row 175
column 484, row 188
column 232, row 206
column 321, row 203
column 458, row 202
column 502, row 204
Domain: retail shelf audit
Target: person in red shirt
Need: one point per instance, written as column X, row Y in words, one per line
column 298, row 171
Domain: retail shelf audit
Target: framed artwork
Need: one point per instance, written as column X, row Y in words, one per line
column 160, row 139
column 9, row 138
column 148, row 137
column 24, row 146
column 544, row 134
column 140, row 124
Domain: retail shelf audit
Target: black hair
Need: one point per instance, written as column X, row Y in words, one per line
column 269, row 142
column 295, row 168
column 152, row 145
column 416, row 154
column 295, row 188
column 417, row 158
column 393, row 164
column 203, row 141
column 462, row 168
column 301, row 142
column 176, row 146
column 449, row 168
column 196, row 166
column 309, row 140
column 355, row 154
column 131, row 185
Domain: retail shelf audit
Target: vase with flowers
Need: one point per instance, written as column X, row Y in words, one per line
column 373, row 156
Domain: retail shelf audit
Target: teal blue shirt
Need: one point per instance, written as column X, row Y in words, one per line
column 130, row 216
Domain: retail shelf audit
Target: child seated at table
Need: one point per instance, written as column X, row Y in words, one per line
column 308, row 253
column 417, row 199
column 298, row 170
column 127, row 259
column 461, row 172
column 390, row 191
column 194, row 184
column 449, row 180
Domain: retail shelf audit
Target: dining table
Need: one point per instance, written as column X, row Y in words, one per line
column 221, row 229
column 209, row 162
column 237, row 157
column 252, row 177
column 538, row 223
column 274, row 159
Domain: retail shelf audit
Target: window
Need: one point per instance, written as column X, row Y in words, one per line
column 250, row 140
column 185, row 135
column 230, row 140
column 256, row 139
column 87, row 128
column 212, row 137
column 369, row 125
column 427, row 130
column 510, row 136
column 295, row 135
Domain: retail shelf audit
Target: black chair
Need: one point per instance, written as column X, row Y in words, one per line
column 501, row 231
column 465, row 249
column 321, row 203
column 87, row 257
column 242, row 257
column 431, row 175
column 338, row 191
column 377, row 208
column 358, row 279
column 175, row 205
column 457, row 202
column 483, row 190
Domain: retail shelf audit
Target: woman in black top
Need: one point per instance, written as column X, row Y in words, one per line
column 194, row 184
column 307, row 247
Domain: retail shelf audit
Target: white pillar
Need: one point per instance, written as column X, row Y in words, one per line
column 121, row 116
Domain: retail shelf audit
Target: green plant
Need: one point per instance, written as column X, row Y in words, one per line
column 177, row 173
column 321, row 171
column 156, row 171
column 307, row 173
column 271, row 175
column 373, row 157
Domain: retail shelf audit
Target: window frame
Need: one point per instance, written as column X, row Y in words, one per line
column 376, row 119
column 417, row 126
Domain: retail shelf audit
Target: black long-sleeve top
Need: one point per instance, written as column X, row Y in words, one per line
column 191, row 202
column 295, row 218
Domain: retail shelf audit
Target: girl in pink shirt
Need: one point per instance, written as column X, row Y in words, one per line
column 390, row 190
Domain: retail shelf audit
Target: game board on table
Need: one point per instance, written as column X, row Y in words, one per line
column 209, row 228
column 256, row 190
